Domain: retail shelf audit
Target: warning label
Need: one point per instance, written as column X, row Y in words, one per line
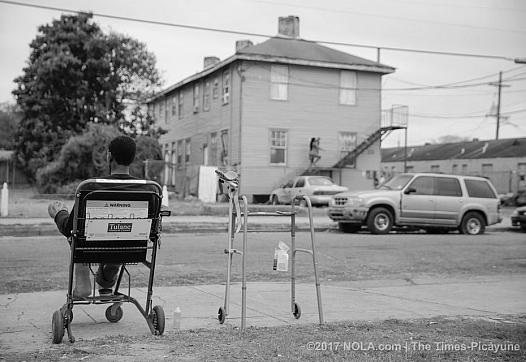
column 99, row 209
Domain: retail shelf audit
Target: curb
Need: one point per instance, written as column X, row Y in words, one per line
column 48, row 229
column 19, row 230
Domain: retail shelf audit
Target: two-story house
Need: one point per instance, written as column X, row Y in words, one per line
column 257, row 110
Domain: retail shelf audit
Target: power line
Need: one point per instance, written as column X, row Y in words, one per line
column 462, row 117
column 203, row 28
column 391, row 17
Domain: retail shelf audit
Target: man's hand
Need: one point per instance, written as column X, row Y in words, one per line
column 54, row 208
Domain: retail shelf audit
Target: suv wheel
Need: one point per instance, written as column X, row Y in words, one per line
column 380, row 221
column 472, row 224
column 349, row 227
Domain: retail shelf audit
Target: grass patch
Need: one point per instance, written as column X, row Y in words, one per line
column 359, row 341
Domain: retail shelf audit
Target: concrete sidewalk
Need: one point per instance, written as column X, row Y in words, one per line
column 26, row 318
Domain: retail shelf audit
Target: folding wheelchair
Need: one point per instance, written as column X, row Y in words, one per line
column 116, row 221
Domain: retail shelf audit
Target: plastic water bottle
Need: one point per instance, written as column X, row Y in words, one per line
column 177, row 318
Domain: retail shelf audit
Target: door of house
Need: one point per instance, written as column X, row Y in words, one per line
column 205, row 154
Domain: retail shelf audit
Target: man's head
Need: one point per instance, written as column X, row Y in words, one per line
column 122, row 150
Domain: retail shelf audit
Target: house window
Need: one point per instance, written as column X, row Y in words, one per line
column 180, row 104
column 179, row 154
column 487, row 168
column 206, row 95
column 213, row 149
column 464, row 169
column 226, row 87
column 409, row 168
column 162, row 110
column 347, row 87
column 187, row 150
column 224, row 148
column 215, row 89
column 167, row 164
column 174, row 160
column 278, row 147
column 435, row 168
column 196, row 97
column 454, row 169
column 279, row 82
column 174, row 105
column 347, row 142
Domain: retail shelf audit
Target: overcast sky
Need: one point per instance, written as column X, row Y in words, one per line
column 488, row 27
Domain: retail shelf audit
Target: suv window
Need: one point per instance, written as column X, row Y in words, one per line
column 448, row 186
column 289, row 184
column 300, row 182
column 479, row 188
column 423, row 185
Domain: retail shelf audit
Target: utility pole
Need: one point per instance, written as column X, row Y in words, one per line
column 499, row 85
column 498, row 106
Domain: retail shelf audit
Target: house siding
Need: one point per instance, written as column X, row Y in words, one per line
column 198, row 126
column 311, row 110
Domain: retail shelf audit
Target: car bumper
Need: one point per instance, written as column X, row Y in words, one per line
column 518, row 220
column 348, row 214
column 320, row 199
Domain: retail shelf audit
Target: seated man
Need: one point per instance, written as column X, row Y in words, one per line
column 120, row 155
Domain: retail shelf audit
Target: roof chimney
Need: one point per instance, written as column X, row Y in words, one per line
column 289, row 26
column 242, row 44
column 210, row 61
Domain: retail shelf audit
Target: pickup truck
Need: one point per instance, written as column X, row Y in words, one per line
column 434, row 202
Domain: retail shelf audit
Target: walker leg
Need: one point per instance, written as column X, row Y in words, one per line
column 243, row 265
column 293, row 259
column 315, row 261
column 223, row 311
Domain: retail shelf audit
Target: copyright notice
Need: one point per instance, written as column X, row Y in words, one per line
column 411, row 346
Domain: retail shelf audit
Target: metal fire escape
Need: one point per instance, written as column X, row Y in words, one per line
column 392, row 119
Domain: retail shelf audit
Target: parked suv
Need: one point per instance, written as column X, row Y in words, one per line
column 434, row 202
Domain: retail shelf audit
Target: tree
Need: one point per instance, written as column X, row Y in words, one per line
column 9, row 118
column 77, row 75
column 451, row 139
column 84, row 156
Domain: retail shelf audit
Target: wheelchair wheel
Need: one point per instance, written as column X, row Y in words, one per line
column 57, row 325
column 114, row 314
column 158, row 319
column 221, row 316
column 297, row 311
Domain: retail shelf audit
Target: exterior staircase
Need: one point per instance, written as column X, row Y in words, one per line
column 350, row 157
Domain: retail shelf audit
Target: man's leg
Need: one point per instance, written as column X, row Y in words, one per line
column 106, row 277
column 82, row 281
column 59, row 213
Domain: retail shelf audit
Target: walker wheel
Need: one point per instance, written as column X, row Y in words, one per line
column 297, row 311
column 221, row 316
column 57, row 325
column 114, row 314
column 158, row 319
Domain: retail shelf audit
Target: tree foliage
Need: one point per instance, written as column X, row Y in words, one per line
column 9, row 118
column 77, row 75
column 84, row 156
